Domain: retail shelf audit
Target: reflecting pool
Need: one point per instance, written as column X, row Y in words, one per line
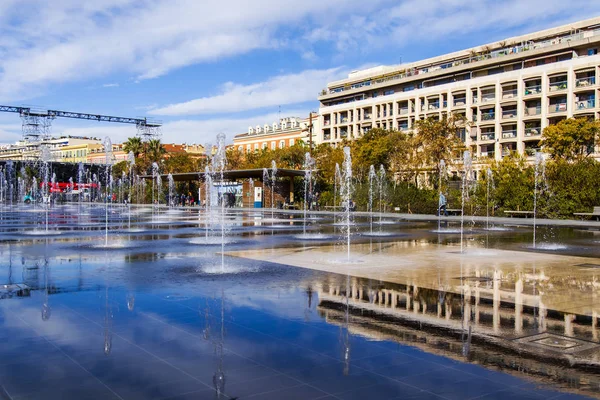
column 165, row 310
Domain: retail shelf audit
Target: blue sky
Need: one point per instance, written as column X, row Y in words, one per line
column 204, row 67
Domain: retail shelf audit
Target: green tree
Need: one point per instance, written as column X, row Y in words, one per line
column 513, row 179
column 155, row 150
column 571, row 139
column 436, row 140
column 177, row 163
column 134, row 145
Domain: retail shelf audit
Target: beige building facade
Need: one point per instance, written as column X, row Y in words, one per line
column 286, row 133
column 508, row 90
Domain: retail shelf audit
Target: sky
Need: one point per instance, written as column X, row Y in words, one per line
column 204, row 67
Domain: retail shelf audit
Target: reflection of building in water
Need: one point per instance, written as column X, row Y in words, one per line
column 505, row 335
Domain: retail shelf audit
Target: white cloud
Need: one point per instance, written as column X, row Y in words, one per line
column 110, row 85
column 407, row 23
column 69, row 40
column 280, row 90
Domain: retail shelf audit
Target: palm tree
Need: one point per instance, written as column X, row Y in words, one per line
column 134, row 145
column 155, row 150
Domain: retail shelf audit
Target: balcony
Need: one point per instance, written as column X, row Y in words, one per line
column 488, row 136
column 585, row 82
column 558, row 107
column 326, row 122
column 458, row 102
column 475, row 100
column 509, row 94
column 343, row 134
column 533, row 90
column 344, row 119
column 367, row 117
column 403, row 127
column 487, row 154
column 533, row 110
column 488, row 99
column 488, row 116
column 327, row 136
column 509, row 134
column 434, row 106
column 585, row 104
column 403, row 111
column 507, row 114
column 533, row 131
column 557, row 86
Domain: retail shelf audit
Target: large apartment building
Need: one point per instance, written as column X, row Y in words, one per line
column 510, row 91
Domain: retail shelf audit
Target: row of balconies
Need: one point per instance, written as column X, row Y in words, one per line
column 510, row 113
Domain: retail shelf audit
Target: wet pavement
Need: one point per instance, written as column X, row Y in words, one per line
column 155, row 310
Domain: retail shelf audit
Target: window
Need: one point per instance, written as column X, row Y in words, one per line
column 273, row 145
column 291, row 142
column 248, row 148
column 592, row 52
column 255, row 146
column 388, row 92
column 281, row 144
column 264, row 145
column 241, row 148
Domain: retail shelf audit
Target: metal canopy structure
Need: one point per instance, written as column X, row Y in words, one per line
column 37, row 123
column 228, row 175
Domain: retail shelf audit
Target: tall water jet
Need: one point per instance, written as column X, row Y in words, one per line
column 309, row 164
column 266, row 182
column 9, row 179
column 251, row 191
column 131, row 164
column 538, row 180
column 108, row 153
column 372, row 182
column 171, row 190
column 154, row 175
column 490, row 182
column 208, row 184
column 45, row 158
column 346, row 195
column 442, row 172
column 467, row 172
column 80, row 172
column 273, row 184
column 219, row 161
column 382, row 183
column 337, row 180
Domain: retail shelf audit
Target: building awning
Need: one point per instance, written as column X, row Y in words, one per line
column 229, row 175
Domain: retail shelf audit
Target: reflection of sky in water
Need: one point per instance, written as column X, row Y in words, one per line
column 159, row 317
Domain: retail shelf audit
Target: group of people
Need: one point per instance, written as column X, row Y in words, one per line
column 183, row 200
